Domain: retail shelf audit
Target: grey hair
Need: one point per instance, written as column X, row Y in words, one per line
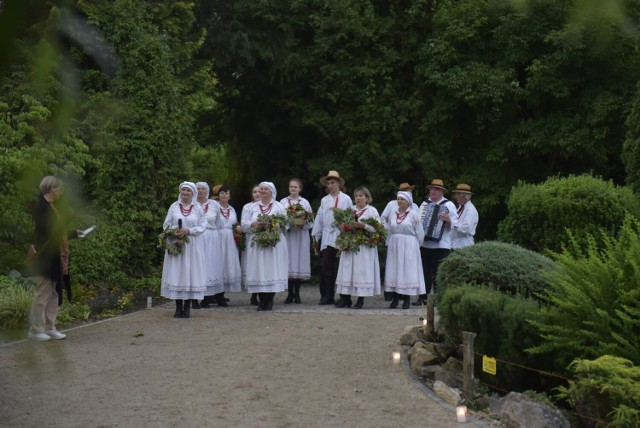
column 49, row 183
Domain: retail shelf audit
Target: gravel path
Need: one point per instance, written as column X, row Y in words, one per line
column 297, row 366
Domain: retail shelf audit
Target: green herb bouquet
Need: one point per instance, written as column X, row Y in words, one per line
column 169, row 241
column 351, row 237
column 267, row 234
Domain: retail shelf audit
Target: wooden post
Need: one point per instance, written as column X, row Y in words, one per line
column 467, row 364
column 430, row 317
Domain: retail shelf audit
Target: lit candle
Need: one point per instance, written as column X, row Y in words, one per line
column 396, row 357
column 424, row 322
column 461, row 413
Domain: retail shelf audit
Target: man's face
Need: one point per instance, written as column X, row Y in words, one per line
column 435, row 193
column 333, row 185
column 460, row 198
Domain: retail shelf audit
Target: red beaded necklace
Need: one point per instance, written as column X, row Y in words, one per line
column 185, row 212
column 400, row 217
column 266, row 210
column 226, row 212
column 206, row 207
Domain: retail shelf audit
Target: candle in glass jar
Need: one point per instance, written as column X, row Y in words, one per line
column 461, row 413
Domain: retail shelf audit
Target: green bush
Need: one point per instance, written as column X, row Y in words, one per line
column 594, row 299
column 606, row 389
column 540, row 214
column 15, row 304
column 503, row 332
column 504, row 267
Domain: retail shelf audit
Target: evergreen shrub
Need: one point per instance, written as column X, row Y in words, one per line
column 539, row 215
column 502, row 331
column 606, row 389
column 504, row 267
column 15, row 303
column 593, row 299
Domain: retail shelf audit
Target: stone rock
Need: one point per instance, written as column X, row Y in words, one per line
column 453, row 364
column 411, row 335
column 14, row 274
column 419, row 356
column 452, row 378
column 450, row 395
column 519, row 411
column 428, row 372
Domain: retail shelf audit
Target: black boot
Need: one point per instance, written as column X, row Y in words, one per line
column 205, row 302
column 296, row 292
column 394, row 301
column 422, row 300
column 262, row 301
column 178, row 313
column 344, row 301
column 254, row 299
column 195, row 304
column 406, row 301
column 219, row 298
column 186, row 313
column 269, row 305
column 289, row 298
column 359, row 303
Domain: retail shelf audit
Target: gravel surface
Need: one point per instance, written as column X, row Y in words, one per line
column 298, row 366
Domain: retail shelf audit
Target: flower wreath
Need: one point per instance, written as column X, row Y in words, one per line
column 351, row 237
column 169, row 241
column 267, row 234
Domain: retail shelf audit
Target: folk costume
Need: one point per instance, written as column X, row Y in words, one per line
column 231, row 273
column 213, row 250
column 267, row 268
column 464, row 228
column 403, row 268
column 326, row 232
column 184, row 274
column 359, row 273
column 299, row 245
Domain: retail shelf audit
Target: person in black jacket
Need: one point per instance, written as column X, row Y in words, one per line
column 51, row 261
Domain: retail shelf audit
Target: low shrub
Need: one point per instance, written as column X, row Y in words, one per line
column 606, row 390
column 539, row 215
column 500, row 323
column 15, row 304
column 504, row 267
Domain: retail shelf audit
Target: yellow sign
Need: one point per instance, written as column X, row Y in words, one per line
column 488, row 365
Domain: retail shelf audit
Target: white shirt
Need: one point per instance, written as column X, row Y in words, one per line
column 464, row 227
column 445, row 241
column 323, row 228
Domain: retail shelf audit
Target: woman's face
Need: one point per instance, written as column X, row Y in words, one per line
column 361, row 199
column 403, row 204
column 255, row 193
column 265, row 194
column 294, row 188
column 202, row 193
column 56, row 192
column 224, row 197
column 186, row 195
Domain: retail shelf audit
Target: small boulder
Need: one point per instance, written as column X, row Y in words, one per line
column 420, row 356
column 450, row 395
column 411, row 335
column 518, row 410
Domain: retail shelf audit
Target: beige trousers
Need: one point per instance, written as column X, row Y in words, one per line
column 44, row 308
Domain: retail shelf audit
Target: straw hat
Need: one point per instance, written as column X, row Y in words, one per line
column 438, row 184
column 215, row 190
column 406, row 187
column 331, row 174
column 462, row 188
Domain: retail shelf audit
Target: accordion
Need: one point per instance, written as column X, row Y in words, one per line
column 433, row 226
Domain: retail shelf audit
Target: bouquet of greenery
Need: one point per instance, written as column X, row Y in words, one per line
column 168, row 240
column 267, row 234
column 238, row 236
column 298, row 216
column 351, row 237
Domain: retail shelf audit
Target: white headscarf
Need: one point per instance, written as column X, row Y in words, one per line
column 406, row 196
column 271, row 187
column 206, row 186
column 189, row 185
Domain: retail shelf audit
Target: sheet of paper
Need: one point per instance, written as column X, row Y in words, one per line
column 86, row 231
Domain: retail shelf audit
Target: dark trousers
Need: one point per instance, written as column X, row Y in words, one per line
column 431, row 259
column 327, row 279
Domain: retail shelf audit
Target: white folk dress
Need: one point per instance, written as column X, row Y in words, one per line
column 359, row 273
column 299, row 243
column 231, row 273
column 267, row 268
column 212, row 249
column 183, row 275
column 244, row 216
column 403, row 269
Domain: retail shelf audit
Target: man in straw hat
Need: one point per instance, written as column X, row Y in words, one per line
column 435, row 248
column 324, row 231
column 464, row 228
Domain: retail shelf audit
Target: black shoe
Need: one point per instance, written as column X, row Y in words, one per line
column 220, row 300
column 296, row 293
column 419, row 302
column 344, row 301
column 394, row 302
column 204, row 304
column 405, row 302
column 195, row 304
column 186, row 313
column 254, row 299
column 359, row 303
column 289, row 298
column 178, row 313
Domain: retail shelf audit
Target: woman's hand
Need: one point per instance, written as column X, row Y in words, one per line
column 360, row 225
column 182, row 233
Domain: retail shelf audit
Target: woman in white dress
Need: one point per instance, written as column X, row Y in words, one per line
column 267, row 268
column 403, row 274
column 298, row 242
column 231, row 273
column 359, row 273
column 255, row 197
column 183, row 274
column 212, row 248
